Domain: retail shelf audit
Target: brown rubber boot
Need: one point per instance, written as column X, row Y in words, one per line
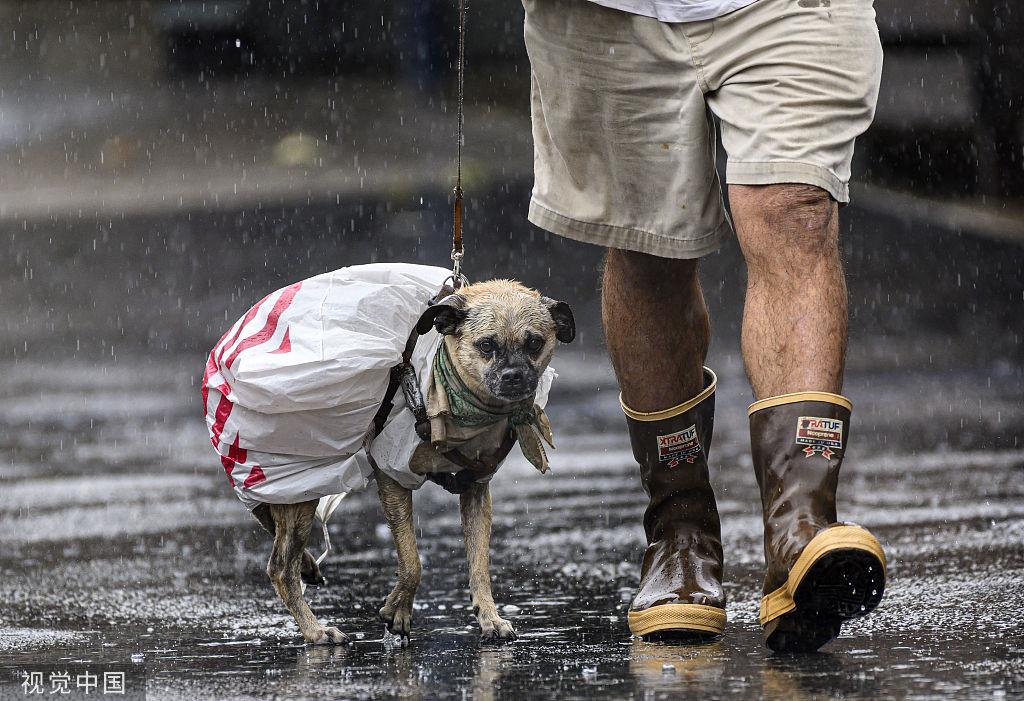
column 820, row 572
column 680, row 592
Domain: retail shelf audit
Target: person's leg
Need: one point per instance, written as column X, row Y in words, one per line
column 820, row 573
column 794, row 85
column 794, row 318
column 656, row 326
column 624, row 153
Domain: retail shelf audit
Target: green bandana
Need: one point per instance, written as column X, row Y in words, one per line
column 528, row 419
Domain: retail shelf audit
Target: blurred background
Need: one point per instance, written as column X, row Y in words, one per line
column 160, row 161
column 164, row 164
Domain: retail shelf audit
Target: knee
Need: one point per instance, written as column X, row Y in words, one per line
column 777, row 224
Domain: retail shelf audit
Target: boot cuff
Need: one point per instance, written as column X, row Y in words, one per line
column 827, row 397
column 710, row 380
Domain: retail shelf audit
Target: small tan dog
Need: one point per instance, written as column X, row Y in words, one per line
column 498, row 338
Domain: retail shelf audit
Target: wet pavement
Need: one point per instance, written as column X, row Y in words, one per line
column 170, row 210
column 124, row 549
column 124, row 546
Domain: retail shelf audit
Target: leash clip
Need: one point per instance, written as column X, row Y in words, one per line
column 457, row 279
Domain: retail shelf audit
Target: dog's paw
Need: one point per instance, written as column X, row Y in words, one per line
column 496, row 628
column 329, row 636
column 397, row 615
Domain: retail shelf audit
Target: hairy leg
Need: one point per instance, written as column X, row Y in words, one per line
column 475, row 507
column 292, row 524
column 396, row 501
column 794, row 320
column 656, row 326
column 310, row 570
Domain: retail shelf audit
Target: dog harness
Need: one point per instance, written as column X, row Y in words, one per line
column 527, row 421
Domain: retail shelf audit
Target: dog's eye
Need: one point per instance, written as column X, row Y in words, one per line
column 486, row 346
column 534, row 344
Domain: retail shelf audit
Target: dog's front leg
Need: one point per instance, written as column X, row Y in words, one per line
column 475, row 505
column 397, row 503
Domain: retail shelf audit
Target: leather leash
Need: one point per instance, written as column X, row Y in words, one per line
column 404, row 375
column 457, row 278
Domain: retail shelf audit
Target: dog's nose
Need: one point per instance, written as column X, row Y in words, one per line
column 512, row 378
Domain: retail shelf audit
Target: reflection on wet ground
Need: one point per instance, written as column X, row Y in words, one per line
column 123, row 546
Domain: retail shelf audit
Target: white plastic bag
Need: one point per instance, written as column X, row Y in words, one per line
column 292, row 388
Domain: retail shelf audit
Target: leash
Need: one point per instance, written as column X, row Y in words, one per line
column 458, row 252
column 403, row 375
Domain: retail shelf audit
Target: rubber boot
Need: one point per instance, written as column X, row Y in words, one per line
column 680, row 592
column 820, row 572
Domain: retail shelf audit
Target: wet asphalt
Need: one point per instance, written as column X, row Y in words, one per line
column 122, row 547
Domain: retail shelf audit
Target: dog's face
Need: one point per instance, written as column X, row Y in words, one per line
column 503, row 334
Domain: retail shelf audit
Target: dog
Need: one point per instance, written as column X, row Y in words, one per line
column 497, row 340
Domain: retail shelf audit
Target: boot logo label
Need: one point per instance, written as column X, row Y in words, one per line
column 819, row 435
column 680, row 446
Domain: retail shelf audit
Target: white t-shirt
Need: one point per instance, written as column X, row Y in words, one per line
column 676, row 10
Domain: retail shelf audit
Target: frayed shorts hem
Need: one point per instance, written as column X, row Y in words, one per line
column 628, row 238
column 782, row 172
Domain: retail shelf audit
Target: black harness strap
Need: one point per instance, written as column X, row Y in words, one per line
column 404, row 375
column 398, row 375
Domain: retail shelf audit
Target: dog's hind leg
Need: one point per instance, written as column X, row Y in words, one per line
column 262, row 514
column 475, row 507
column 396, row 501
column 310, row 570
column 292, row 524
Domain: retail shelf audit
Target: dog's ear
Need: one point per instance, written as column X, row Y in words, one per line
column 565, row 324
column 445, row 316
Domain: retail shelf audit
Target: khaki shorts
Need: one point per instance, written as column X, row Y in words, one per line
column 624, row 140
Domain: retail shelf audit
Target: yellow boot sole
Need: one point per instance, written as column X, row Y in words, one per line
column 677, row 618
column 839, row 575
